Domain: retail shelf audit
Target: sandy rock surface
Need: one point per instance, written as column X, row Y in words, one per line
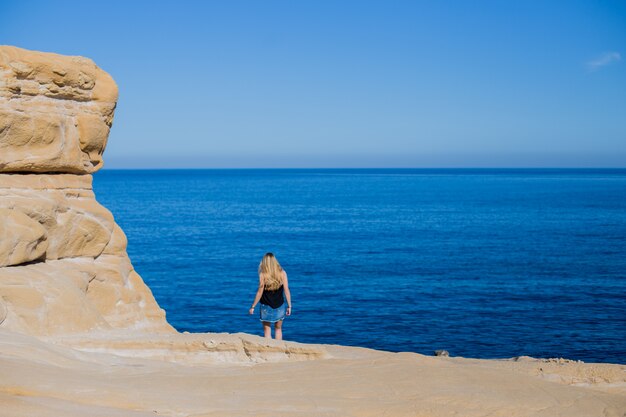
column 48, row 378
column 22, row 239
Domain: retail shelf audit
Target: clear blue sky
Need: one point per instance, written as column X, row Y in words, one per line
column 349, row 84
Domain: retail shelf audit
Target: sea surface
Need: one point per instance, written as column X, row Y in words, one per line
column 482, row 263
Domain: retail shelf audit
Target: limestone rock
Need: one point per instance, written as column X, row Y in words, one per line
column 43, row 299
column 63, row 262
column 3, row 311
column 75, row 224
column 87, row 281
column 22, row 239
column 78, row 295
column 55, row 112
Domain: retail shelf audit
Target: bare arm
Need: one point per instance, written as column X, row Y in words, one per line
column 287, row 292
column 259, row 293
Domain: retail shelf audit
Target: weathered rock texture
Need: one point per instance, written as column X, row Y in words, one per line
column 63, row 262
column 55, row 112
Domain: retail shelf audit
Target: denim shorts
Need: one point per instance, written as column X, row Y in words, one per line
column 272, row 315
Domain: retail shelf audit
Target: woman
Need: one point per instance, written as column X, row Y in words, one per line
column 273, row 289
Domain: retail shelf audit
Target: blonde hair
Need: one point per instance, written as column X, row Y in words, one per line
column 272, row 272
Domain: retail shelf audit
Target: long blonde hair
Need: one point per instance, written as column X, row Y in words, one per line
column 271, row 271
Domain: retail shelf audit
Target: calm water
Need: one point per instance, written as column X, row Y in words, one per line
column 483, row 263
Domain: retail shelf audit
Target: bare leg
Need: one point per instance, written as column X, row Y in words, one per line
column 267, row 329
column 278, row 330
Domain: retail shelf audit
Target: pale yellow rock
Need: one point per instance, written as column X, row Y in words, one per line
column 34, row 73
column 117, row 243
column 44, row 299
column 22, row 239
column 93, row 133
column 3, row 311
column 121, row 296
column 181, row 375
column 46, row 182
column 78, row 295
column 75, row 224
column 55, row 112
column 55, row 117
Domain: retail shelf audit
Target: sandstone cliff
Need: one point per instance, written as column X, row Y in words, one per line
column 63, row 262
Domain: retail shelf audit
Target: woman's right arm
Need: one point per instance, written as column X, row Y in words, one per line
column 259, row 293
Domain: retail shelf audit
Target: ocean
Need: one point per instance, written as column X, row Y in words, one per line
column 485, row 263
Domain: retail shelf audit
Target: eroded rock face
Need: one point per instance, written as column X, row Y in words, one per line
column 63, row 262
column 55, row 112
column 22, row 239
column 74, row 222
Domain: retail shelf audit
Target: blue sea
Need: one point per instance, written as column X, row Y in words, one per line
column 483, row 263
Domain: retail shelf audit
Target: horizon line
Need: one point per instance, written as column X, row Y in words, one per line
column 356, row 168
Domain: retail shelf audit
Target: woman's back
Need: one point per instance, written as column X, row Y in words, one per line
column 273, row 298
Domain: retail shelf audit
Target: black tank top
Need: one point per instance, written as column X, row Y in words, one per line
column 273, row 298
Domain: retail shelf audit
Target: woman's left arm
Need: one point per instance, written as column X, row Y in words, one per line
column 287, row 293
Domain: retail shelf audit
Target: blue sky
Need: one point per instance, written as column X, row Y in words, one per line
column 349, row 84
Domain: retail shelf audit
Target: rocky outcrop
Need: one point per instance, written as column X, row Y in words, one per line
column 55, row 112
column 63, row 262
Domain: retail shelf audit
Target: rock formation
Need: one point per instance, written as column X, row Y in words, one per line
column 63, row 262
column 55, row 112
